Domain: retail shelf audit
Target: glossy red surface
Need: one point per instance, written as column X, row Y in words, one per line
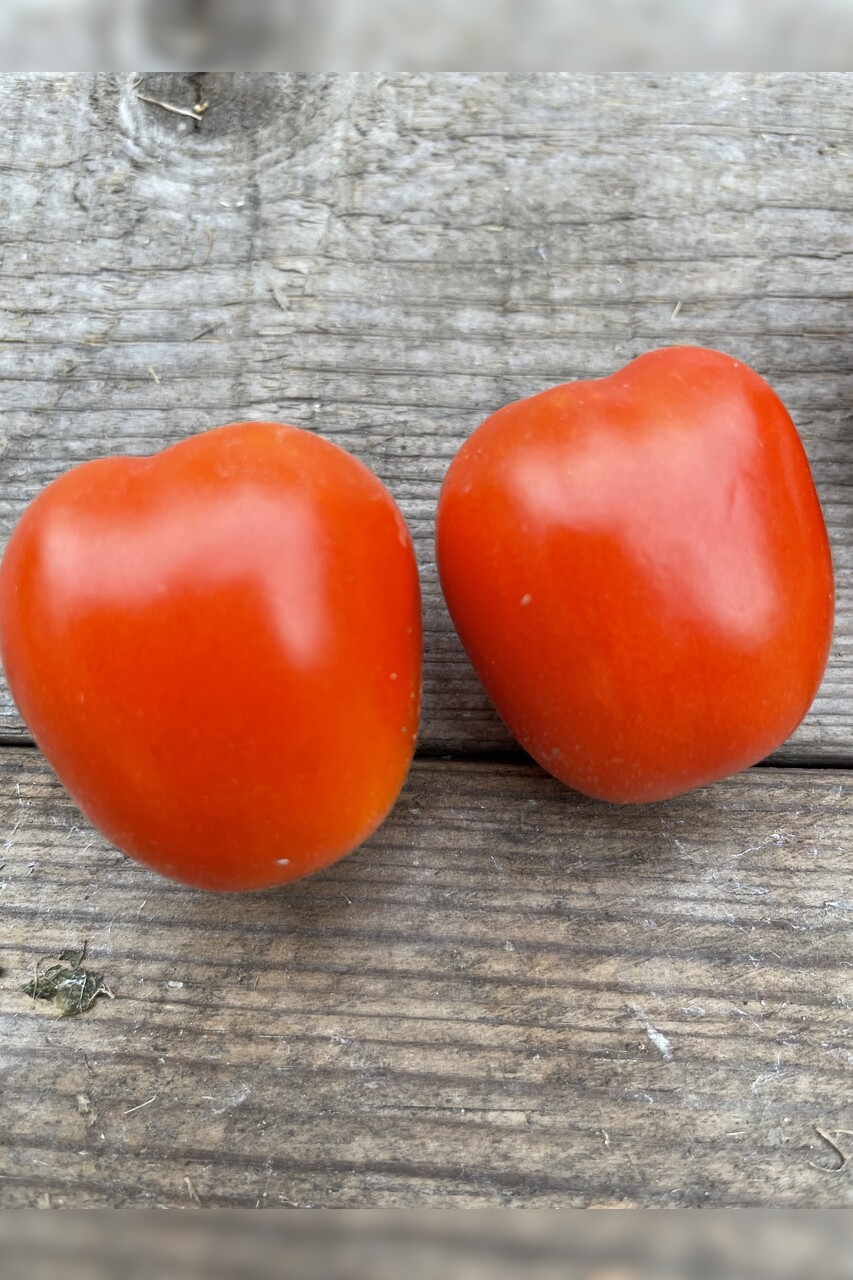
column 639, row 570
column 218, row 649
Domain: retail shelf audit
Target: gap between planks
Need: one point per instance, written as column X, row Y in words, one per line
column 516, row 755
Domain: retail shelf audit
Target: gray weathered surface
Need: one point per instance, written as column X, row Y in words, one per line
column 511, row 995
column 388, row 259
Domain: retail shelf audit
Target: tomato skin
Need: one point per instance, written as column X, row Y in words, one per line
column 218, row 649
column 639, row 570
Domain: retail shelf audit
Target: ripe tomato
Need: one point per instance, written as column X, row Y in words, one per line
column 639, row 570
column 218, row 649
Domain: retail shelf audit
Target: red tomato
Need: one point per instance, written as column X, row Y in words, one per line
column 639, row 570
column 218, row 649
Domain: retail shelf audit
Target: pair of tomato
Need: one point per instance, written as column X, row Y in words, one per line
column 219, row 648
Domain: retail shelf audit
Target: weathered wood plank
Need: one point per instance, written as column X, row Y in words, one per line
column 387, row 259
column 512, row 995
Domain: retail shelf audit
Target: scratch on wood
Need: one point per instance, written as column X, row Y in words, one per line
column 279, row 295
column 842, row 1155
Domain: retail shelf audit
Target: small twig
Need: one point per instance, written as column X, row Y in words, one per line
column 206, row 258
column 131, row 1110
column 211, row 328
column 194, row 113
column 154, row 374
column 194, row 1196
column 842, row 1155
column 676, row 310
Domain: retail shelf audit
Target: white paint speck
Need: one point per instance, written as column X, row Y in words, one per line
column 282, row 862
column 657, row 1038
column 393, row 675
column 660, row 1042
column 526, row 599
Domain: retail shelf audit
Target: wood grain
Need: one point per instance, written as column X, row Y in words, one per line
column 387, row 259
column 511, row 996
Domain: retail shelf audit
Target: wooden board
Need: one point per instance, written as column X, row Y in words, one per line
column 511, row 996
column 387, row 259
